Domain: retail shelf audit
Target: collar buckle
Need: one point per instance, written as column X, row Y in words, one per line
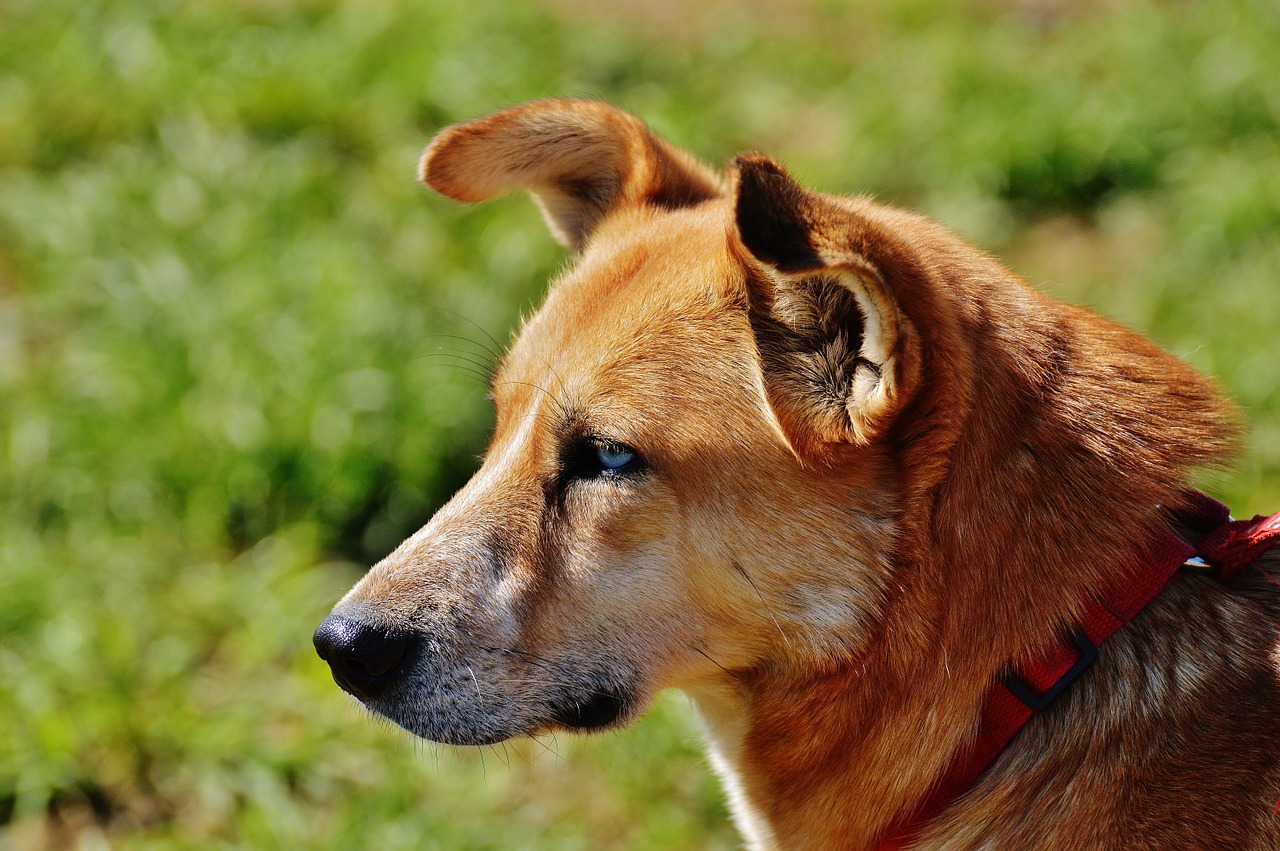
column 1196, row 564
column 1019, row 688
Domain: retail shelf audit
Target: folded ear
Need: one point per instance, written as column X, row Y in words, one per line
column 579, row 159
column 839, row 356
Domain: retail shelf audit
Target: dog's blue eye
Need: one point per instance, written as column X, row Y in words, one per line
column 613, row 456
column 600, row 458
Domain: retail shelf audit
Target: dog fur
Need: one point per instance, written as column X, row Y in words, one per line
column 870, row 467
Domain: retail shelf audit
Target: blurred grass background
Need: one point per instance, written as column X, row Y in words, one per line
column 221, row 292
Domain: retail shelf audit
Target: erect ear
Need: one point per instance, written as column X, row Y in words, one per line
column 838, row 354
column 579, row 159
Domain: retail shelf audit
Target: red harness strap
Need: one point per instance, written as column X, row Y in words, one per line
column 1032, row 684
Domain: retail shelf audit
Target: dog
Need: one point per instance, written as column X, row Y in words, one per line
column 857, row 490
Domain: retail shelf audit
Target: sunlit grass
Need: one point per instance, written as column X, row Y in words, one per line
column 230, row 378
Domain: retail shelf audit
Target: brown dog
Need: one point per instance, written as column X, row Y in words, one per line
column 832, row 472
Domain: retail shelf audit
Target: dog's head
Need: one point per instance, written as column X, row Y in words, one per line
column 704, row 439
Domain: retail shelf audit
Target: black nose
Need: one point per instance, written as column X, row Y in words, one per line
column 365, row 659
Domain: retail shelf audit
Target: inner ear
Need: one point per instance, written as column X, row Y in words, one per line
column 817, row 314
column 838, row 356
column 827, row 376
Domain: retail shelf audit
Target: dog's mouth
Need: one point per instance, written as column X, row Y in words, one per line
column 444, row 697
column 599, row 709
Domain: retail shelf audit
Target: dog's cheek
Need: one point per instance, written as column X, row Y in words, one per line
column 614, row 594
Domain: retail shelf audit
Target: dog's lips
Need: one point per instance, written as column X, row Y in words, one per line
column 447, row 709
column 599, row 709
column 447, row 728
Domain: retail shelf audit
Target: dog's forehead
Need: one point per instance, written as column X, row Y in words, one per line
column 647, row 279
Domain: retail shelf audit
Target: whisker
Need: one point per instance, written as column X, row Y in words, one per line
column 528, row 657
column 497, row 347
column 492, row 353
column 545, row 665
column 555, row 753
column 505, row 759
column 559, row 384
column 465, row 357
column 566, row 684
column 457, row 367
column 763, row 602
column 703, row 653
column 563, row 409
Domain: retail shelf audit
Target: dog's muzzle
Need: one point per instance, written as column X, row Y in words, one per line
column 366, row 660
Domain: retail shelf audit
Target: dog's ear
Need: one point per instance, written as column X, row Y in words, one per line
column 839, row 356
column 579, row 159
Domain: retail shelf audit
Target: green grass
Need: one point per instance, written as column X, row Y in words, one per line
column 224, row 300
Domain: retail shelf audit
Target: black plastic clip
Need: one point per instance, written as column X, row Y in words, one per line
column 1037, row 702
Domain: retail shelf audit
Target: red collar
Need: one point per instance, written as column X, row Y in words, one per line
column 1024, row 689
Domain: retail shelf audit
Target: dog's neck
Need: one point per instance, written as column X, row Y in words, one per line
column 725, row 711
column 1035, row 465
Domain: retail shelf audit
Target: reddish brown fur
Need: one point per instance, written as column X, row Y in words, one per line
column 878, row 467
